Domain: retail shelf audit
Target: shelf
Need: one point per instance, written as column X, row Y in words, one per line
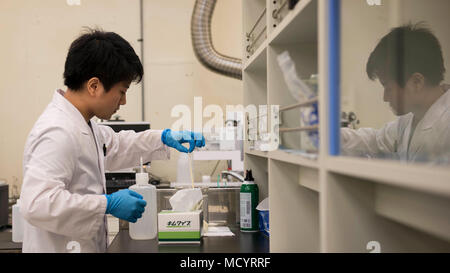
column 258, row 60
column 324, row 203
column 302, row 128
column 251, row 33
column 254, row 24
column 422, row 211
column 359, row 211
column 432, row 180
column 257, row 153
column 298, row 26
column 294, row 210
column 255, row 82
column 284, row 156
column 287, row 157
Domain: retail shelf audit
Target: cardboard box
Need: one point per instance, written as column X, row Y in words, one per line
column 180, row 227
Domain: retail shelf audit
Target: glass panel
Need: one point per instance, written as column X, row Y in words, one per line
column 394, row 98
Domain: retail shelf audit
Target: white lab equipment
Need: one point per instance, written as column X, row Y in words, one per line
column 184, row 168
column 231, row 136
column 237, row 164
column 17, row 223
column 146, row 227
column 228, row 137
column 206, row 178
column 225, row 143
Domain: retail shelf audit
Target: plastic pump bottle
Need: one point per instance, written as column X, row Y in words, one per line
column 146, row 227
column 249, row 196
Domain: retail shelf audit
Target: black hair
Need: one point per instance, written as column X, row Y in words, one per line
column 406, row 50
column 105, row 55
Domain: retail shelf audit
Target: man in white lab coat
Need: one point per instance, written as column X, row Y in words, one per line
column 408, row 63
column 63, row 196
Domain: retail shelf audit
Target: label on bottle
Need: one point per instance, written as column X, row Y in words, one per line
column 246, row 210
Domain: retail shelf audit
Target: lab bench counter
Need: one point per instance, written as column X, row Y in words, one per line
column 241, row 242
column 7, row 245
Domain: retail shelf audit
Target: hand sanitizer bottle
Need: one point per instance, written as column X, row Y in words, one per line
column 146, row 227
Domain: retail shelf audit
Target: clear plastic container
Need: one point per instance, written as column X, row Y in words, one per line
column 183, row 169
column 146, row 227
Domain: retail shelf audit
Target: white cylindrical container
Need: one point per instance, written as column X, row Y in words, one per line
column 206, row 179
column 183, row 169
column 17, row 223
column 145, row 227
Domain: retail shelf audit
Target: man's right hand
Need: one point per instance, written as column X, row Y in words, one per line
column 174, row 139
column 125, row 204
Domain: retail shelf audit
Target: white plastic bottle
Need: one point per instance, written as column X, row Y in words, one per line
column 145, row 227
column 17, row 223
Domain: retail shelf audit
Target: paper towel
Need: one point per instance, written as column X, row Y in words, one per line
column 186, row 200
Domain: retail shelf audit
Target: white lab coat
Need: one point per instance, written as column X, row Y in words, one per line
column 429, row 143
column 62, row 197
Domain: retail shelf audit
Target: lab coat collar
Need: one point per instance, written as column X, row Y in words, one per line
column 436, row 110
column 66, row 106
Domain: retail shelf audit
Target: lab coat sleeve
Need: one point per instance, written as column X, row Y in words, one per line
column 124, row 149
column 441, row 153
column 369, row 142
column 51, row 159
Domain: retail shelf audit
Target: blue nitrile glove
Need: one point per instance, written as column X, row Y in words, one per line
column 126, row 205
column 174, row 139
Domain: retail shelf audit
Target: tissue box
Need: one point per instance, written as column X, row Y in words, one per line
column 180, row 227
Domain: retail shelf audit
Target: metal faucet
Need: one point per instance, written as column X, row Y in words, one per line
column 233, row 174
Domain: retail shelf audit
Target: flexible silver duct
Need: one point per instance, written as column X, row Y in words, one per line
column 202, row 42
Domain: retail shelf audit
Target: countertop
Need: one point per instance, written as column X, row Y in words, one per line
column 7, row 245
column 241, row 242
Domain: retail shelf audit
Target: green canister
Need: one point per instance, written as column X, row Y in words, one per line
column 249, row 196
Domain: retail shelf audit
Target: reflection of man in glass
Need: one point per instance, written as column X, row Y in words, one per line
column 408, row 63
